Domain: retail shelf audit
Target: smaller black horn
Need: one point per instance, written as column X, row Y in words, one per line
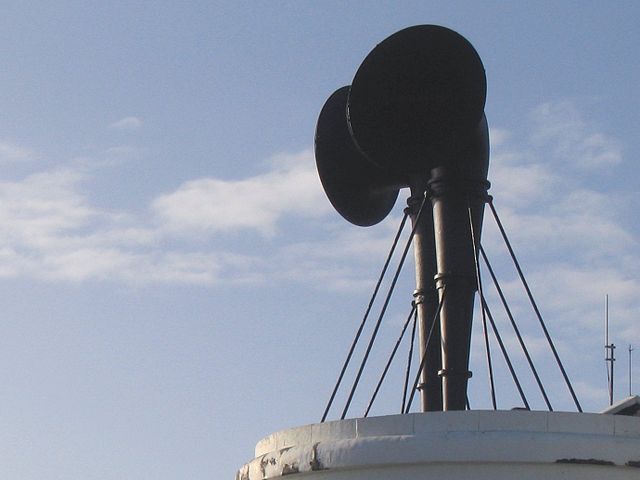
column 361, row 192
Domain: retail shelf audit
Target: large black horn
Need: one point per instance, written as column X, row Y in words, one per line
column 415, row 96
column 361, row 192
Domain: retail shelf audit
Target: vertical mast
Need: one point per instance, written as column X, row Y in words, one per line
column 426, row 298
column 630, row 389
column 458, row 189
column 609, row 349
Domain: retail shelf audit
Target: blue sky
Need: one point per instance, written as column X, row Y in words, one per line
column 176, row 286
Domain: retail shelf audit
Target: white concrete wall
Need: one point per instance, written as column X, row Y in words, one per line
column 455, row 445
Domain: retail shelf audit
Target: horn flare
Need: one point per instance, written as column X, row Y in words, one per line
column 360, row 191
column 414, row 96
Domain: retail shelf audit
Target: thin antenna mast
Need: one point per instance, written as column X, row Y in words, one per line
column 630, row 350
column 609, row 349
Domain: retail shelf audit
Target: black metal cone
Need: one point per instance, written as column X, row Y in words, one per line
column 414, row 96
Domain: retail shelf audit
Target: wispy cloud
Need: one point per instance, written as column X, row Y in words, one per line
column 210, row 205
column 544, row 191
column 562, row 127
column 42, row 205
column 127, row 123
column 51, row 229
column 10, row 152
column 277, row 227
column 570, row 235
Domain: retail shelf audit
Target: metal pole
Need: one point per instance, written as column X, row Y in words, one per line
column 606, row 320
column 459, row 184
column 451, row 197
column 426, row 297
column 609, row 349
column 613, row 359
column 630, row 350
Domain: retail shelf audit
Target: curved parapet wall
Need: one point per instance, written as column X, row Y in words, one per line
column 455, row 445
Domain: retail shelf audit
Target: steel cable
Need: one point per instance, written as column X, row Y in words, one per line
column 383, row 311
column 391, row 357
column 515, row 328
column 534, row 305
column 505, row 354
column 409, row 361
column 366, row 316
column 484, row 317
column 423, row 360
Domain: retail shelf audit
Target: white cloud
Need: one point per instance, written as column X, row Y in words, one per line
column 50, row 229
column 568, row 235
column 590, row 393
column 127, row 123
column 498, row 136
column 10, row 152
column 571, row 238
column 561, row 126
column 520, row 185
column 544, row 195
column 346, row 259
column 42, row 205
column 210, row 205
